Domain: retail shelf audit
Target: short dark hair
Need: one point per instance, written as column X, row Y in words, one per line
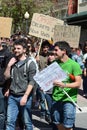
column 22, row 42
column 45, row 43
column 63, row 45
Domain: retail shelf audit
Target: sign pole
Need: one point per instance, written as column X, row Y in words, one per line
column 72, row 100
column 40, row 43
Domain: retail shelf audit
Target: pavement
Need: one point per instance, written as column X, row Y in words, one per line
column 81, row 116
column 40, row 124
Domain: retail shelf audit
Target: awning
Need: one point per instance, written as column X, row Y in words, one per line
column 77, row 19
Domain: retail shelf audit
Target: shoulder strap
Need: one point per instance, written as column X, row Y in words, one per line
column 27, row 66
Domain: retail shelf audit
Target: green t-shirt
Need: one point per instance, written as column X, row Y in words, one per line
column 70, row 67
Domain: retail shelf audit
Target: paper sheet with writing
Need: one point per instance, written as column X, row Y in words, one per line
column 46, row 77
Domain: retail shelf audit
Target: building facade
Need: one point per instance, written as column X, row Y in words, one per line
column 79, row 18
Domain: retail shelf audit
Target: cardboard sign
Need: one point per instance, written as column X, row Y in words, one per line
column 5, row 27
column 42, row 26
column 70, row 34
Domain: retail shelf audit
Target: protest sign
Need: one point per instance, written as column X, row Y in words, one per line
column 5, row 27
column 42, row 26
column 70, row 34
column 46, row 77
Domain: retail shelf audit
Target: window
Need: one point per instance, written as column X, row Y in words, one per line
column 82, row 1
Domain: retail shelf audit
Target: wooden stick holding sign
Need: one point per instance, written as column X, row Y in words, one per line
column 40, row 44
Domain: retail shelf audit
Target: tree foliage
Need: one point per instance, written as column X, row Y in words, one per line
column 17, row 8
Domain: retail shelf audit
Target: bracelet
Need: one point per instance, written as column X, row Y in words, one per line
column 64, row 84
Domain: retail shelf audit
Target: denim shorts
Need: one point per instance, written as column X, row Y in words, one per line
column 63, row 113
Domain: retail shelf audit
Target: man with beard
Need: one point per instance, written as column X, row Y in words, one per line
column 20, row 92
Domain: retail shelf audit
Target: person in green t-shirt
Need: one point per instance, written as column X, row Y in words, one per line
column 63, row 109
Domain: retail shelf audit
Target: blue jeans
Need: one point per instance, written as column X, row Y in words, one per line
column 49, row 101
column 41, row 96
column 2, row 110
column 13, row 110
column 63, row 113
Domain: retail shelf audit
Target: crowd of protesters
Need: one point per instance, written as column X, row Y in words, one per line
column 21, row 57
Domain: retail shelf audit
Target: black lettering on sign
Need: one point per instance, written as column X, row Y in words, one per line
column 45, row 34
column 32, row 30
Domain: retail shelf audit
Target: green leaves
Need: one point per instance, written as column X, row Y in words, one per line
column 17, row 8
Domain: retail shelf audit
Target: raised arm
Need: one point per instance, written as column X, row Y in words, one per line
column 8, row 69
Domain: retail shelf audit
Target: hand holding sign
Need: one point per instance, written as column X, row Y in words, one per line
column 46, row 77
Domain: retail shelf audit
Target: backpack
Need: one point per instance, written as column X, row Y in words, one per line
column 26, row 66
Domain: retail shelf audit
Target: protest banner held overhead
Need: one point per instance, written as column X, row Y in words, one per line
column 5, row 27
column 42, row 26
column 71, row 34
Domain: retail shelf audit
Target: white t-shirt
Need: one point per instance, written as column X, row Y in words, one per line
column 84, row 57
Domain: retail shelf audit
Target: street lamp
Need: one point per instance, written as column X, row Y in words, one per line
column 26, row 16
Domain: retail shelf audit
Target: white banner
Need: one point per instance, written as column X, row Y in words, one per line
column 46, row 77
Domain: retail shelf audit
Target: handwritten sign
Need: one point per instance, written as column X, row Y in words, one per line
column 46, row 77
column 71, row 34
column 42, row 26
column 5, row 27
